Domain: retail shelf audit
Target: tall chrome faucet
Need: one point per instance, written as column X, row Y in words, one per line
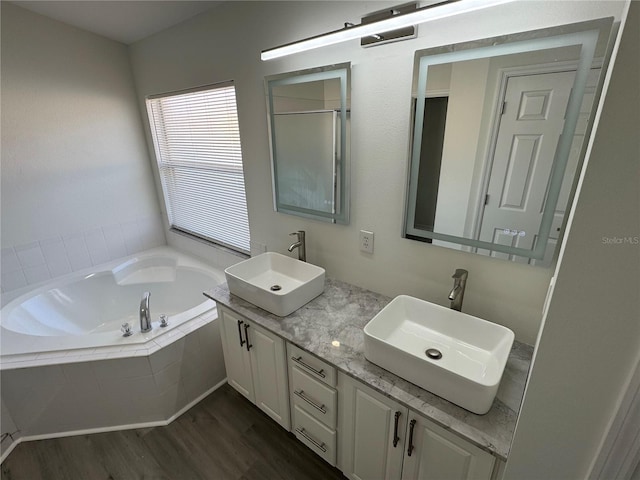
column 145, row 313
column 300, row 245
column 457, row 292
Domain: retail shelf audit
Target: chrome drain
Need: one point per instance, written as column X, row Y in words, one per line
column 433, row 353
column 275, row 288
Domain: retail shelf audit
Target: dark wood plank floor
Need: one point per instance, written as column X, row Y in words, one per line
column 223, row 437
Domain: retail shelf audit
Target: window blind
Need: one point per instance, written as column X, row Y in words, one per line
column 197, row 142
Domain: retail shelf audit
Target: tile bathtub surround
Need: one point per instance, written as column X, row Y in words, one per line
column 330, row 326
column 51, row 400
column 53, row 257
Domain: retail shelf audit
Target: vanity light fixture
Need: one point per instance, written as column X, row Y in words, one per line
column 372, row 29
column 404, row 33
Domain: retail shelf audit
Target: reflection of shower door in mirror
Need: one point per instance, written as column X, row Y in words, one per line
column 307, row 148
column 530, row 127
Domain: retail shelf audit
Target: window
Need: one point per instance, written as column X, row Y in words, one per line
column 197, row 144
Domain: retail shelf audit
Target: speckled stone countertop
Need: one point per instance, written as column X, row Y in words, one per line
column 340, row 314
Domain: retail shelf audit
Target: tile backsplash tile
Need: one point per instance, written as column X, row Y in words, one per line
column 9, row 259
column 130, row 234
column 55, row 256
column 36, row 274
column 30, row 255
column 97, row 246
column 13, row 280
column 114, row 241
column 77, row 251
column 52, row 257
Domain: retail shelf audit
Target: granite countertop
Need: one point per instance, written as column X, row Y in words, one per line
column 340, row 314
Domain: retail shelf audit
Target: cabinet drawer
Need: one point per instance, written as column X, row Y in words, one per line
column 312, row 365
column 315, row 435
column 314, row 397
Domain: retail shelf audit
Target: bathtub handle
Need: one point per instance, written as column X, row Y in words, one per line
column 242, row 342
column 246, row 336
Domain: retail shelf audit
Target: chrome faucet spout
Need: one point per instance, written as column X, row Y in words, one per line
column 454, row 292
column 294, row 246
column 300, row 245
column 145, row 313
column 456, row 295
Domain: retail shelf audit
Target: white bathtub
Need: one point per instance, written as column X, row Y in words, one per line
column 81, row 314
column 67, row 369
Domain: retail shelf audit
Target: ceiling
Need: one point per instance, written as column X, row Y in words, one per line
column 125, row 21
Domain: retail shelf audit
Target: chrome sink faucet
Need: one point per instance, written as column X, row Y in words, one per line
column 145, row 313
column 300, row 245
column 457, row 292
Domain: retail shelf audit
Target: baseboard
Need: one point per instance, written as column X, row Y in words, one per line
column 114, row 428
column 13, row 445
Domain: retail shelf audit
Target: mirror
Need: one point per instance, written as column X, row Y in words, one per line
column 500, row 129
column 309, row 133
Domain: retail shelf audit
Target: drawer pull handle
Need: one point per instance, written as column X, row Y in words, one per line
column 242, row 342
column 299, row 361
column 412, row 424
column 246, row 336
column 396, row 438
column 304, row 433
column 300, row 393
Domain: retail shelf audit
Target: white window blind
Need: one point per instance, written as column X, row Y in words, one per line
column 197, row 142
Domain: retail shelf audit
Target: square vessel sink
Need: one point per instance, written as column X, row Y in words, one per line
column 454, row 355
column 275, row 282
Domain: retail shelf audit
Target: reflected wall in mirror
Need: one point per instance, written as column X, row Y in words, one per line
column 309, row 133
column 500, row 129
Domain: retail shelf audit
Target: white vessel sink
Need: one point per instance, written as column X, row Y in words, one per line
column 275, row 282
column 473, row 351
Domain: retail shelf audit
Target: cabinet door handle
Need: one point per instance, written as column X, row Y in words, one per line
column 246, row 336
column 412, row 424
column 304, row 433
column 299, row 361
column 396, row 438
column 300, row 393
column 242, row 342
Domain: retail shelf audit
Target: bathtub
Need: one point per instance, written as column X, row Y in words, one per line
column 67, row 369
column 82, row 314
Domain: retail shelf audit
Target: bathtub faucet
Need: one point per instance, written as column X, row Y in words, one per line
column 145, row 314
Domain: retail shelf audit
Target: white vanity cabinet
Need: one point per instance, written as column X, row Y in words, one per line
column 256, row 364
column 434, row 453
column 372, row 432
column 314, row 402
column 381, row 439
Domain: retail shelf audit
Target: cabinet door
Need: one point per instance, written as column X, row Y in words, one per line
column 368, row 424
column 236, row 357
column 438, row 454
column 269, row 367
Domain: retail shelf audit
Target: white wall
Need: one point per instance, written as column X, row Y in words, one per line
column 461, row 138
column 226, row 43
column 591, row 334
column 77, row 185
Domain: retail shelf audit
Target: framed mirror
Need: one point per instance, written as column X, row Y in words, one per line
column 309, row 134
column 499, row 134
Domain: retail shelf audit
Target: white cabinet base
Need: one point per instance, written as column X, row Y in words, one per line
column 438, row 454
column 256, row 365
column 367, row 426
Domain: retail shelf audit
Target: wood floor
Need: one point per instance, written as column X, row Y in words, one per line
column 223, row 437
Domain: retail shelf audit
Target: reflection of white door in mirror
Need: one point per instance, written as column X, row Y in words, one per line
column 530, row 125
column 502, row 182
